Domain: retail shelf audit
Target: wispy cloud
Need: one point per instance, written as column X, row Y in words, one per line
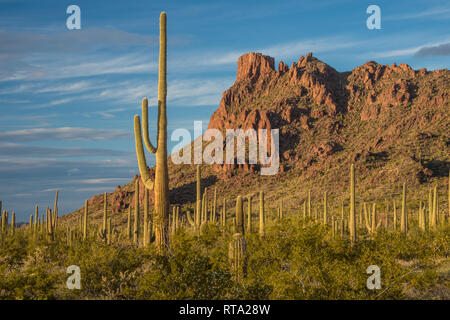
column 437, row 13
column 14, row 150
column 438, row 50
column 65, row 133
column 104, row 180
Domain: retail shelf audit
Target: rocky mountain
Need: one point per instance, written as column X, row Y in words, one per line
column 392, row 122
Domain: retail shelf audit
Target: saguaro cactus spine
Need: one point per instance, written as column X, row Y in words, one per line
column 161, row 183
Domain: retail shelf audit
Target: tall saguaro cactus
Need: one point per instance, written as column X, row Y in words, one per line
column 161, row 183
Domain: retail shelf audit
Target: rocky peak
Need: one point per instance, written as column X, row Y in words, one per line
column 252, row 65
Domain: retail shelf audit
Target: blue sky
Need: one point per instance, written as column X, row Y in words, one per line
column 67, row 97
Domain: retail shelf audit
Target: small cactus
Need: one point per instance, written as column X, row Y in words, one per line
column 238, row 247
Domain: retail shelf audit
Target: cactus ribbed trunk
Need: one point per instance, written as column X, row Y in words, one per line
column 161, row 184
column 146, row 236
column 309, row 204
column 238, row 247
column 325, row 208
column 395, row 216
column 239, row 215
column 55, row 212
column 105, row 215
column 404, row 216
column 36, row 219
column 249, row 214
column 129, row 223
column 136, row 215
column 213, row 218
column 85, row 220
column 434, row 210
column 13, row 223
column 108, row 232
column 374, row 220
column 304, row 210
column 224, row 213
column 261, row 214
column 199, row 198
column 352, row 217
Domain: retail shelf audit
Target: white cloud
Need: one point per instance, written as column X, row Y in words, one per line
column 65, row 133
column 438, row 12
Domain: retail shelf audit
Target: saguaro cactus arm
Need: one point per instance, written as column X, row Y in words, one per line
column 146, row 137
column 146, row 179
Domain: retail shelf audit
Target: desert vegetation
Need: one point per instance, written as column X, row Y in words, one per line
column 310, row 252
